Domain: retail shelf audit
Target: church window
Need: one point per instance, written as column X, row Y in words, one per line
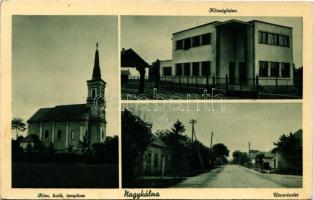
column 72, row 134
column 46, row 134
column 59, row 135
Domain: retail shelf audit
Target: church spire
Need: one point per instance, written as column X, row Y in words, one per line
column 96, row 70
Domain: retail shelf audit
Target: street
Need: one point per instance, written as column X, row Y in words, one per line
column 234, row 176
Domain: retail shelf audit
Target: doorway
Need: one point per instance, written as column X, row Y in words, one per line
column 243, row 72
column 231, row 72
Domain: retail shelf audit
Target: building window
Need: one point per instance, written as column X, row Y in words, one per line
column 274, row 69
column 46, row 134
column 206, row 68
column 72, row 134
column 286, row 41
column 167, row 71
column 187, row 43
column 270, row 38
column 59, row 135
column 187, row 69
column 274, row 39
column 263, row 37
column 263, row 69
column 196, row 69
column 285, row 70
column 179, row 44
column 206, row 39
column 179, row 69
column 196, row 41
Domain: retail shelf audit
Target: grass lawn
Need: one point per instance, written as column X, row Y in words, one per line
column 64, row 175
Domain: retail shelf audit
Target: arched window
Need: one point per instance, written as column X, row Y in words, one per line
column 46, row 134
column 59, row 135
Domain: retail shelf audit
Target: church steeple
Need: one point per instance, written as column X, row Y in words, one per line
column 96, row 70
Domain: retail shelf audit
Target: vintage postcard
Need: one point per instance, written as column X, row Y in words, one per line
column 156, row 100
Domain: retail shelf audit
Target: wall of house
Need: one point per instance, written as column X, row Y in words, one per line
column 272, row 53
column 152, row 167
column 34, row 128
column 165, row 63
column 195, row 54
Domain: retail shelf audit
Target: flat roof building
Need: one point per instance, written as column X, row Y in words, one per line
column 234, row 51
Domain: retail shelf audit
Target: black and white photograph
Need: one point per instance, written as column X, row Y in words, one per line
column 191, row 57
column 64, row 71
column 205, row 145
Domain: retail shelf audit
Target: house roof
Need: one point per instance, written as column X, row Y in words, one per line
column 129, row 58
column 61, row 113
column 156, row 141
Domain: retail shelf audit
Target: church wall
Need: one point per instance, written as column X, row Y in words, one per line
column 60, row 143
column 94, row 133
column 47, row 138
column 34, row 128
column 76, row 137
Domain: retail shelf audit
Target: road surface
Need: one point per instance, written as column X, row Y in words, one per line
column 234, row 176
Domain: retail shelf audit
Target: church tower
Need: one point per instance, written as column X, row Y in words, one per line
column 96, row 102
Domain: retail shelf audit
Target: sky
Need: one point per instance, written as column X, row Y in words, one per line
column 53, row 57
column 150, row 36
column 234, row 124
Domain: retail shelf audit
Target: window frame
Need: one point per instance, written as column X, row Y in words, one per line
column 263, row 64
column 185, row 67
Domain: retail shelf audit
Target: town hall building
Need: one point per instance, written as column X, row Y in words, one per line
column 233, row 50
column 65, row 125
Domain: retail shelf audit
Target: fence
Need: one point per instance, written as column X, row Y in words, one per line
column 275, row 85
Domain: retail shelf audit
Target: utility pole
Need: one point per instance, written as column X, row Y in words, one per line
column 249, row 149
column 211, row 139
column 193, row 121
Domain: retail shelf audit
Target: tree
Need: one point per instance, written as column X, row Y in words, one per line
column 18, row 124
column 240, row 158
column 220, row 152
column 136, row 136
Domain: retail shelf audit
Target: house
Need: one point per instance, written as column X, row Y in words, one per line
column 284, row 164
column 232, row 52
column 268, row 159
column 155, row 159
column 65, row 125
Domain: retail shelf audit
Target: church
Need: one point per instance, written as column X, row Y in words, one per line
column 64, row 126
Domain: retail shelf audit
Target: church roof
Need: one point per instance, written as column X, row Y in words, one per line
column 61, row 113
column 96, row 69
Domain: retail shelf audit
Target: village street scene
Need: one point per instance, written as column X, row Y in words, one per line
column 237, row 58
column 252, row 145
